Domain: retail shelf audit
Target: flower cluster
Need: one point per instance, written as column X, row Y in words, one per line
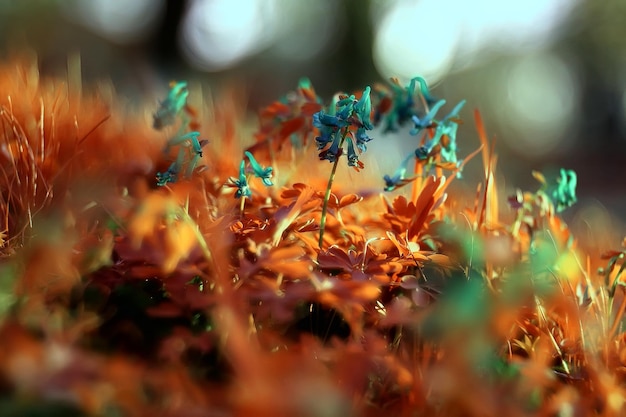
column 346, row 119
column 190, row 148
column 437, row 137
column 445, row 127
column 397, row 104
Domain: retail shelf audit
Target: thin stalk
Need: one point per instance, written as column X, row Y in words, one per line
column 328, row 188
column 618, row 318
column 242, row 204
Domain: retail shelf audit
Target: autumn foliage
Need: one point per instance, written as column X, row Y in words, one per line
column 122, row 298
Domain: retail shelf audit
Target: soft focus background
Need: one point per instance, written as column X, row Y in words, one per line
column 549, row 76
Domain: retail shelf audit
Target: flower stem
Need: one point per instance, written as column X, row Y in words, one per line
column 328, row 188
column 242, row 204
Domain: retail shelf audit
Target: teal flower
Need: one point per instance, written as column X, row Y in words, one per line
column 197, row 154
column 363, row 109
column 328, row 125
column 399, row 177
column 448, row 127
column 243, row 189
column 264, row 173
column 171, row 175
column 398, row 106
column 564, row 194
column 321, row 120
column 430, row 100
column 353, row 157
column 171, row 107
column 345, row 107
column 344, row 116
column 361, row 139
column 334, row 151
column 422, row 152
column 427, row 120
column 190, row 138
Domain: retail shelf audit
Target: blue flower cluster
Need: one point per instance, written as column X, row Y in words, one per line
column 190, row 150
column 403, row 108
column 347, row 119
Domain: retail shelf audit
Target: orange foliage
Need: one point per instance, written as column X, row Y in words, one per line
column 121, row 299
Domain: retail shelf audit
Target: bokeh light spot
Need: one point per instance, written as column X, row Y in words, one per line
column 216, row 34
column 120, row 21
column 542, row 103
column 411, row 39
column 433, row 37
column 304, row 29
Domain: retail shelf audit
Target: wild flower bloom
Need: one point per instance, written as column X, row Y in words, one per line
column 427, row 120
column 448, row 127
column 166, row 115
column 363, row 109
column 188, row 155
column 171, row 175
column 328, row 126
column 264, row 173
column 564, row 195
column 330, row 120
column 397, row 105
column 445, row 127
column 347, row 118
column 190, row 138
column 243, row 189
column 171, row 107
column 399, row 176
column 353, row 157
column 334, row 150
column 362, row 138
column 424, row 91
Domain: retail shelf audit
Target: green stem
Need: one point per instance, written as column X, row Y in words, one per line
column 328, row 187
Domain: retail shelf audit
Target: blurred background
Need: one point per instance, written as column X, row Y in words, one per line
column 549, row 76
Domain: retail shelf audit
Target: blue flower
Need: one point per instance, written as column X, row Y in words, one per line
column 344, row 115
column 171, row 175
column 333, row 152
column 448, row 127
column 322, row 120
column 327, row 136
column 172, row 105
column 353, row 157
column 190, row 137
column 363, row 109
column 428, row 119
column 430, row 100
column 243, row 189
column 398, row 179
column 422, row 152
column 264, row 173
column 564, row 195
column 197, row 154
column 345, row 108
column 402, row 103
column 361, row 139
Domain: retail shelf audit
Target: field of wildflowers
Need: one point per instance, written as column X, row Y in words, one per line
column 169, row 261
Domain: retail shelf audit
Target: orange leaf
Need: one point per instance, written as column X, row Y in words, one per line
column 290, row 126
